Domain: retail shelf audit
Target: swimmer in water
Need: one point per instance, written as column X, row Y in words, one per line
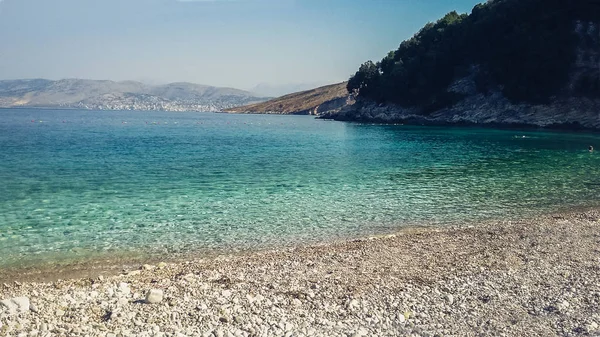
column 591, row 148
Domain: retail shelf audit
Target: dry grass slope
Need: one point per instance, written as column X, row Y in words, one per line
column 297, row 103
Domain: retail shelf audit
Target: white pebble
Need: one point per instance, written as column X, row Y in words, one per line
column 15, row 305
column 154, row 296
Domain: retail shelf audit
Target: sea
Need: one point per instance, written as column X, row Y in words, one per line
column 78, row 185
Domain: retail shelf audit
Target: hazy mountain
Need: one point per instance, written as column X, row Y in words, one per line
column 127, row 95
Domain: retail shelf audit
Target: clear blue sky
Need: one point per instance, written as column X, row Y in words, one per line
column 237, row 43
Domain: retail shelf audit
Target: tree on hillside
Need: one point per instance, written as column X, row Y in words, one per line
column 365, row 80
column 524, row 47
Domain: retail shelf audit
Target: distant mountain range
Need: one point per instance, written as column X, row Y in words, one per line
column 128, row 95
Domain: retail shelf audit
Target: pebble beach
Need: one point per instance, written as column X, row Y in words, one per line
column 535, row 277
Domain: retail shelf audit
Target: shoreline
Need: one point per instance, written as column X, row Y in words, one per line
column 122, row 263
column 538, row 276
column 414, row 121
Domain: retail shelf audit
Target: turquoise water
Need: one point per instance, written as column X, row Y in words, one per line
column 77, row 184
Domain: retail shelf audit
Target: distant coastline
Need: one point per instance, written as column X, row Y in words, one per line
column 129, row 95
column 98, row 110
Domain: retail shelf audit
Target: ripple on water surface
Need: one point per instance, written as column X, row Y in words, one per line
column 84, row 184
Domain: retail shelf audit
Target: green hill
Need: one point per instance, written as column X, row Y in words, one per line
column 530, row 58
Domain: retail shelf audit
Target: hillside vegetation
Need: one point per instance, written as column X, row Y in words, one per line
column 310, row 102
column 526, row 49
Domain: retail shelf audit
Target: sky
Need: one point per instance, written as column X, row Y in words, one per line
column 232, row 43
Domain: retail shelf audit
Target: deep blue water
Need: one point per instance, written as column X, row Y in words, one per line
column 78, row 184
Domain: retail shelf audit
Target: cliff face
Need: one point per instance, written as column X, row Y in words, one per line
column 572, row 108
column 492, row 109
column 330, row 106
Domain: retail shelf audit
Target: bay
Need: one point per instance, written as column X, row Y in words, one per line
column 79, row 184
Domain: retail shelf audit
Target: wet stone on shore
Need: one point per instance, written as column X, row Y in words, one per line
column 535, row 277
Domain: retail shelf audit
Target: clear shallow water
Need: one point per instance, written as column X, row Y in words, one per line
column 78, row 184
